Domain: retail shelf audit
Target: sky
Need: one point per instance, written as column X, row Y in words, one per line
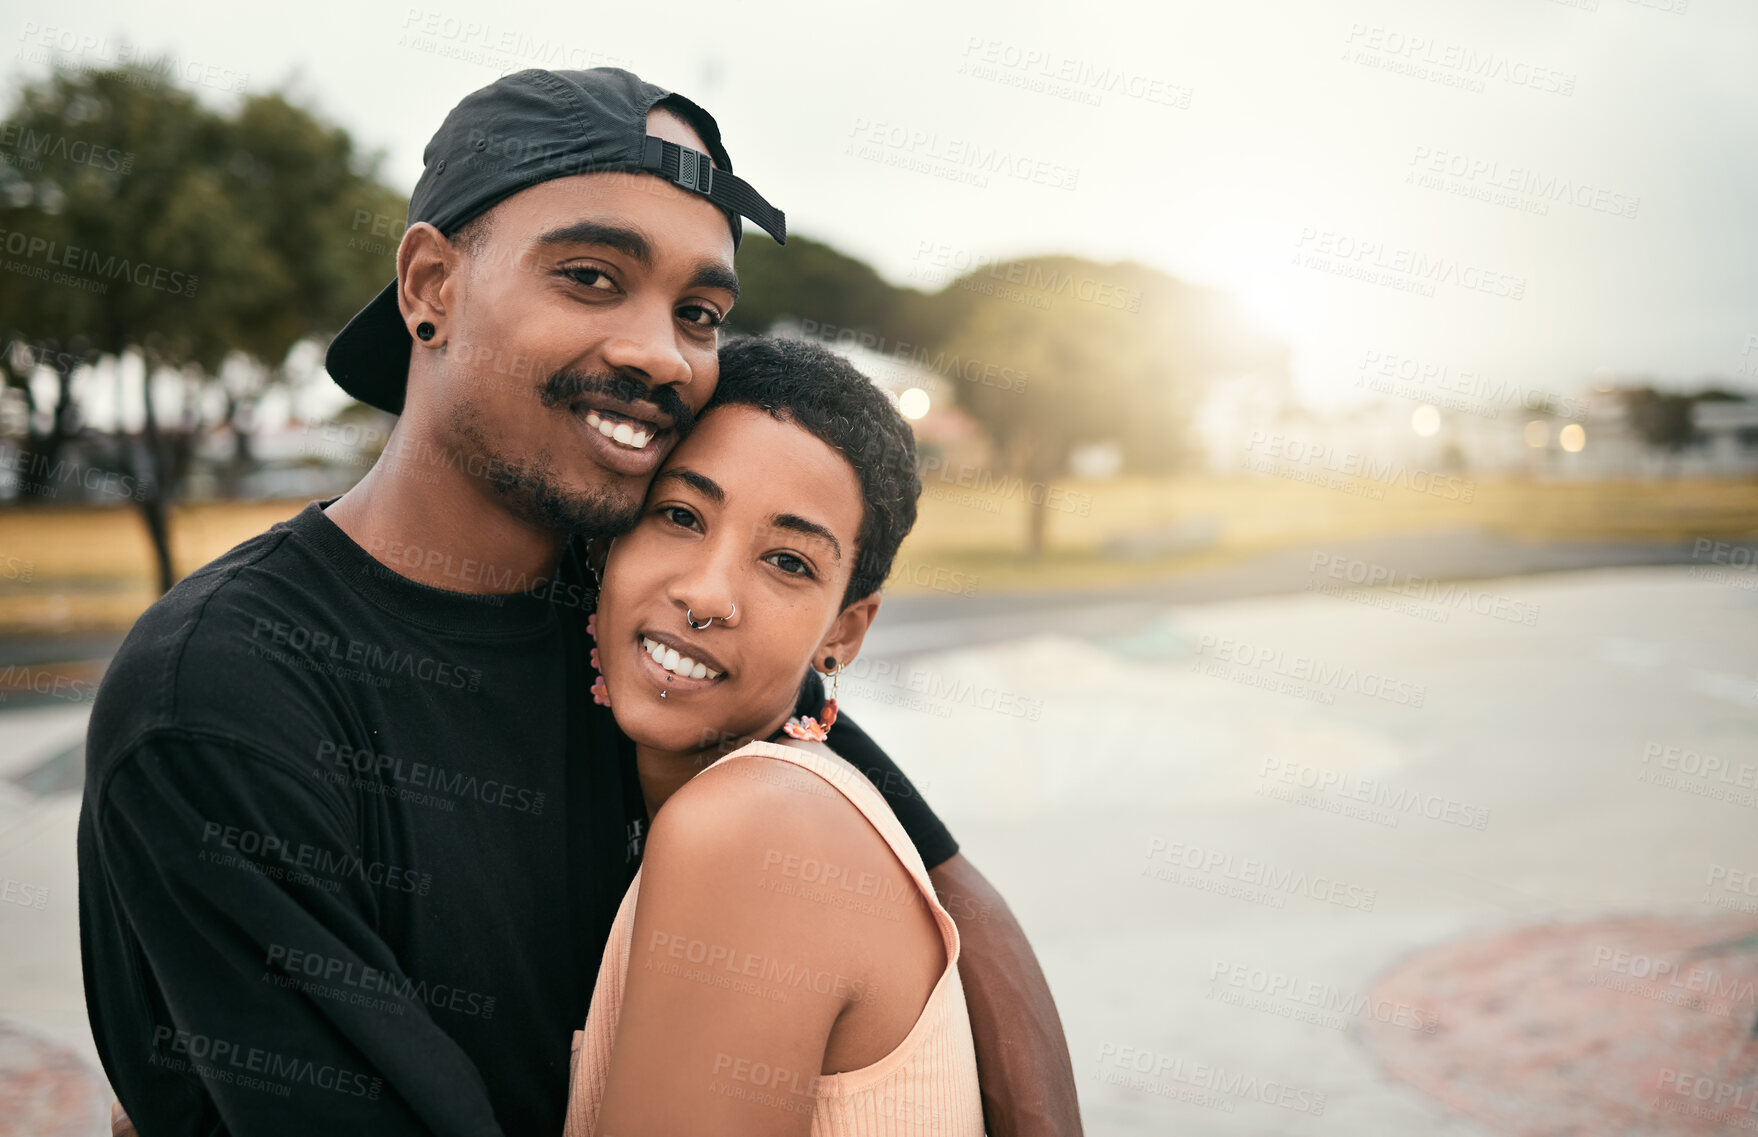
column 1547, row 193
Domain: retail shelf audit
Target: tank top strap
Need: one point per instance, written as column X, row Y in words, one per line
column 846, row 779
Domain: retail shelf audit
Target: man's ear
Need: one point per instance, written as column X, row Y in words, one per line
column 846, row 635
column 427, row 276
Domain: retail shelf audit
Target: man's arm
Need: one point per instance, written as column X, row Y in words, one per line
column 237, row 983
column 1022, row 1055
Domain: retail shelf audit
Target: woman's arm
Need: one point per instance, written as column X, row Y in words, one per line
column 1022, row 1056
column 733, row 984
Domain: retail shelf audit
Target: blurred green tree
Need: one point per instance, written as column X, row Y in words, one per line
column 1053, row 353
column 138, row 222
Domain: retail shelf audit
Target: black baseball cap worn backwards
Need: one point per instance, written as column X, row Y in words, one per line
column 517, row 132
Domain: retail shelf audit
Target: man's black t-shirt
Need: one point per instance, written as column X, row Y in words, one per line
column 351, row 847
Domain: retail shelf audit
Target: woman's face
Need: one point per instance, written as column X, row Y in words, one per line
column 746, row 510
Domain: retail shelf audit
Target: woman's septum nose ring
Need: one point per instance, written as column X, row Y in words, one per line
column 690, row 618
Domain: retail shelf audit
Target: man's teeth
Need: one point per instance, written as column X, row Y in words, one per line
column 668, row 658
column 618, row 431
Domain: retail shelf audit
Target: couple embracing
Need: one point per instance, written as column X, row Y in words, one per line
column 507, row 793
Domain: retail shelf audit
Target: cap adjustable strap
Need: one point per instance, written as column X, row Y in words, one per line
column 692, row 170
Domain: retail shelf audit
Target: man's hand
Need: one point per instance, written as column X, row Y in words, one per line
column 120, row 1126
column 1022, row 1056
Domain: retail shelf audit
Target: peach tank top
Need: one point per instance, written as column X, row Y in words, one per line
column 928, row 1084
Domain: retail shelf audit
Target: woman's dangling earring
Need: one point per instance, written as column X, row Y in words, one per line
column 809, row 729
column 600, row 692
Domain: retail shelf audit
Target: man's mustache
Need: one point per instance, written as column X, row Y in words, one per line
column 567, row 385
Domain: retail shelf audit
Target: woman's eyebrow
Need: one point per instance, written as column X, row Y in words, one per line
column 701, row 483
column 799, row 524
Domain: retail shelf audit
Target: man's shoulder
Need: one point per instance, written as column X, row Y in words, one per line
column 189, row 661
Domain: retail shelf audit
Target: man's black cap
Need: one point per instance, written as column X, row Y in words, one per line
column 517, row 132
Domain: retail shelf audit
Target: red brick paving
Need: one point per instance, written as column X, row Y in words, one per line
column 47, row 1091
column 1549, row 1031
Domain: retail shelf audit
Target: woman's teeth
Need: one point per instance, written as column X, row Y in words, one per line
column 618, row 431
column 683, row 665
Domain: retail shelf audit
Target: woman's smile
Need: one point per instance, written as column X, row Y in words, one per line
column 674, row 664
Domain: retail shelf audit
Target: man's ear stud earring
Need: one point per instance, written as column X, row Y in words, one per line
column 424, row 331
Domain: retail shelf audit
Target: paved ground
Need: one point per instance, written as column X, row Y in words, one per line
column 1193, row 832
column 1278, row 854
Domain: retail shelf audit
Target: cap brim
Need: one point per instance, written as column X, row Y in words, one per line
column 369, row 358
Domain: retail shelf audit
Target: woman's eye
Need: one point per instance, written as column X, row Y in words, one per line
column 678, row 515
column 699, row 315
column 790, row 564
column 591, row 278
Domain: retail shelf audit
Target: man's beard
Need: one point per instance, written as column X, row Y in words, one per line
column 530, row 486
column 533, row 492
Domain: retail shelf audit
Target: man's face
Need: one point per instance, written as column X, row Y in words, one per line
column 582, row 338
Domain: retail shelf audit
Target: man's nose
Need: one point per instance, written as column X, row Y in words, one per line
column 645, row 342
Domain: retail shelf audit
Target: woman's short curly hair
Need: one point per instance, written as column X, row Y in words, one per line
column 809, row 385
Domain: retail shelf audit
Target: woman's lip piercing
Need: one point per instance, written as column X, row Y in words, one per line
column 690, row 618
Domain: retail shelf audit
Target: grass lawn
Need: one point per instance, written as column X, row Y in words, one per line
column 89, row 570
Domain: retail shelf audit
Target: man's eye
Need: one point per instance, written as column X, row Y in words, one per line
column 678, row 515
column 591, row 278
column 700, row 316
column 789, row 564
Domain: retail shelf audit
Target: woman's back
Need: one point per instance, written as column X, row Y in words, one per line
column 900, row 1039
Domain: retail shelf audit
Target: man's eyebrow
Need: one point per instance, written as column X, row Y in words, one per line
column 701, row 483
column 714, row 274
column 811, row 528
column 629, row 241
